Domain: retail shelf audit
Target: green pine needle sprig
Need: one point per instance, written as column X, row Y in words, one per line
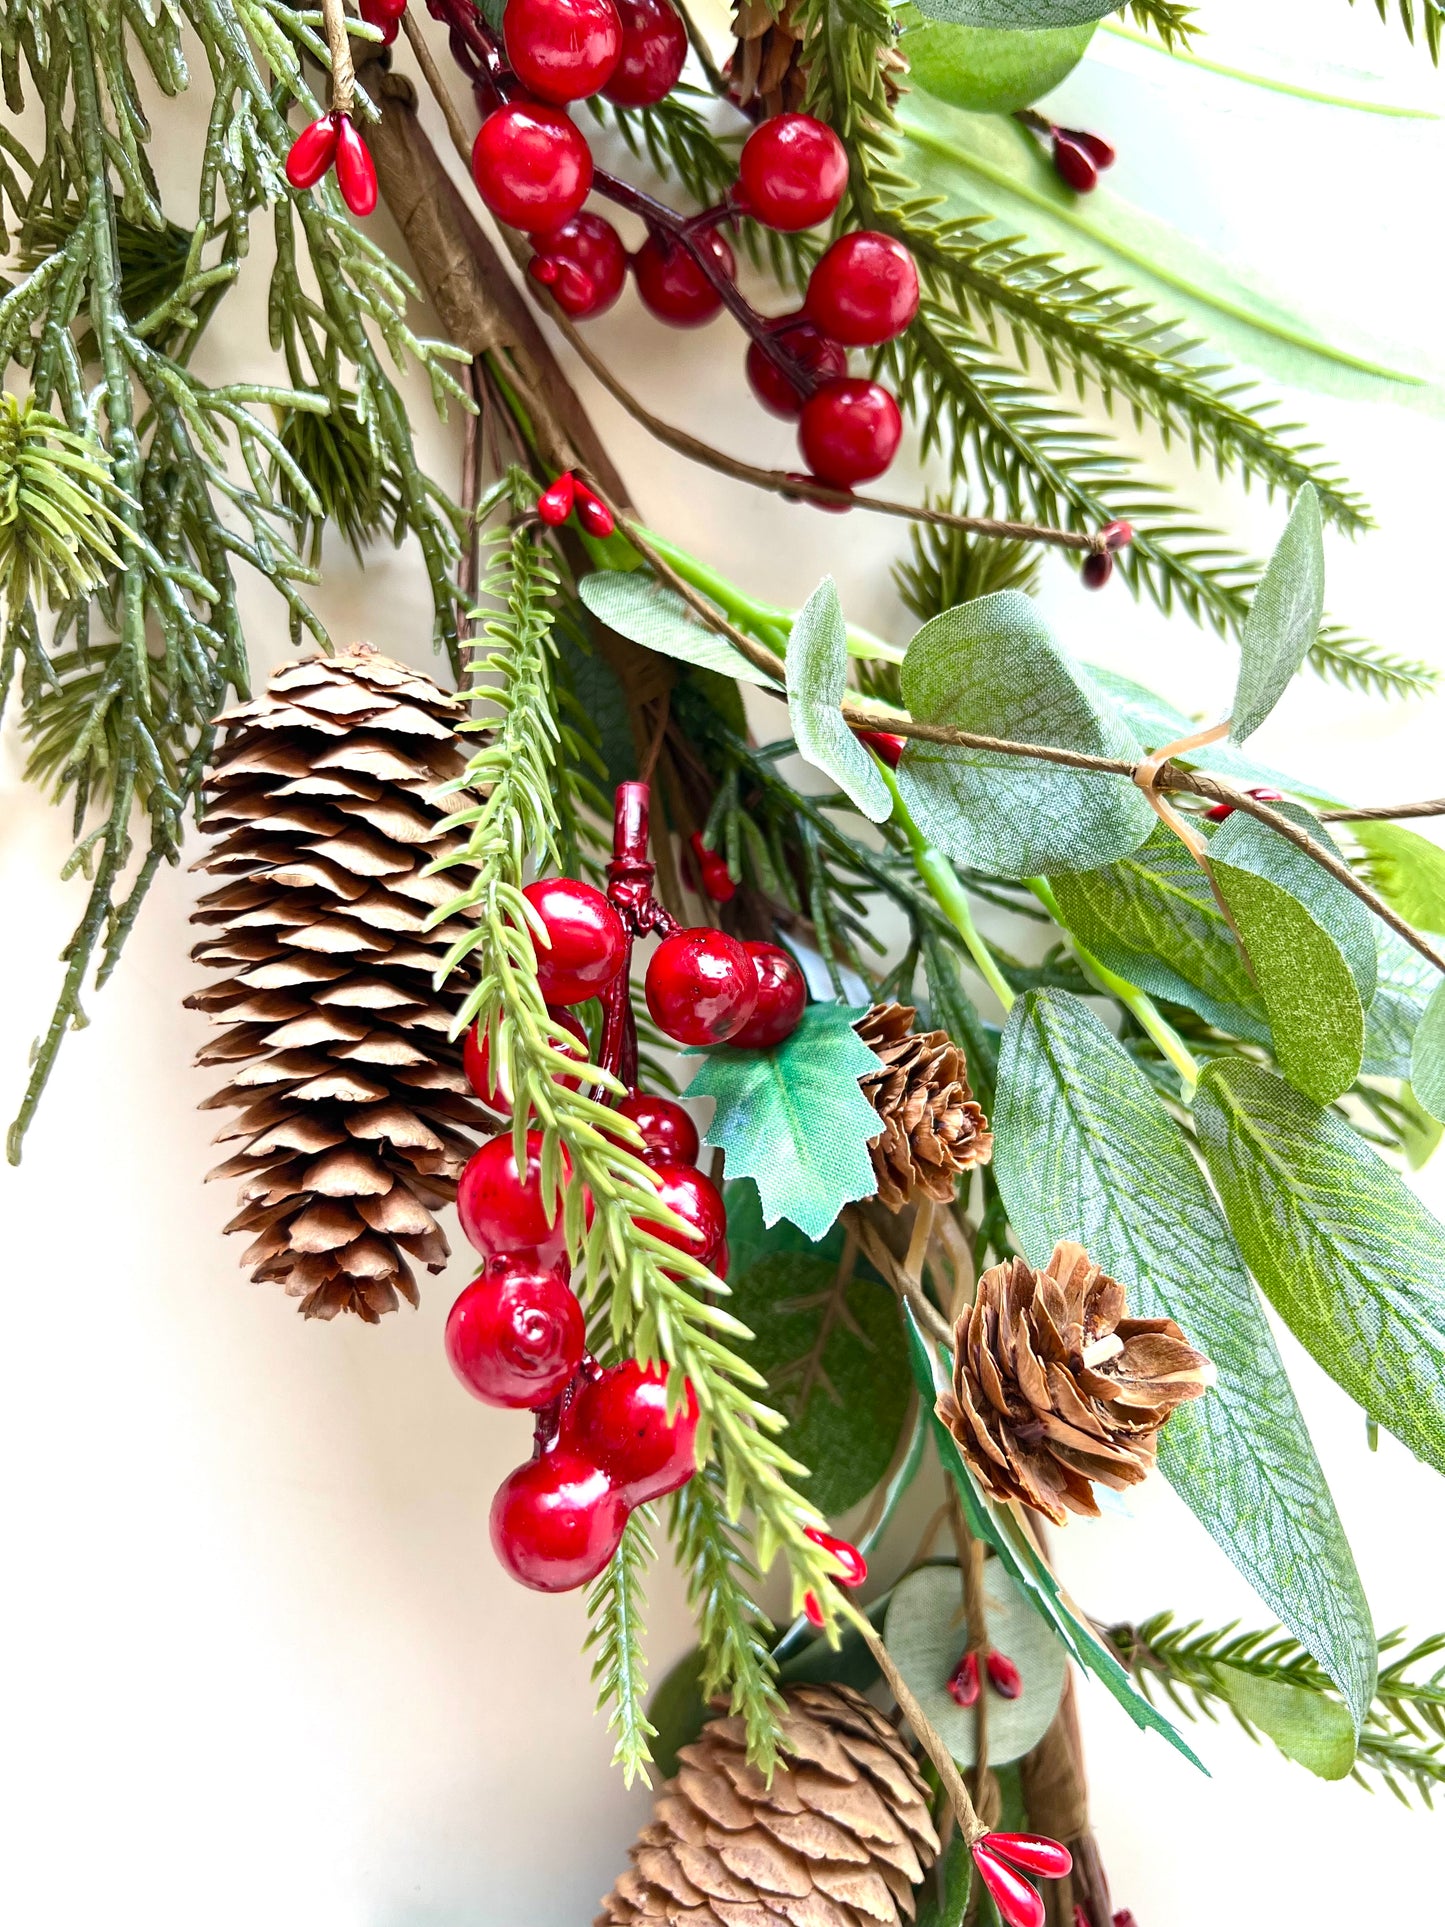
column 616, row 1604
column 58, row 518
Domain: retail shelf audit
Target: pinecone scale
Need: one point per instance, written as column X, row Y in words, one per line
column 933, row 1127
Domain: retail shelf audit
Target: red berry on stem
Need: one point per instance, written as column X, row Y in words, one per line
column 963, row 1682
column 849, row 431
column 312, row 152
column 792, row 172
column 562, row 50
column 1073, row 163
column 1117, row 535
column 719, row 1259
column 713, row 873
column 1020, row 1904
column 355, row 169
column 594, row 514
column 1005, row 1679
column 500, row 1207
column 825, row 508
column 864, row 290
column 886, row 747
column 853, row 1567
column 669, row 1135
column 697, row 1201
column 1218, row 812
column 384, row 14
column 1098, row 567
column 782, row 998
column 619, row 1420
column 671, row 283
column 588, row 942
column 654, row 47
column 554, row 504
column 701, row 986
column 1034, row 1852
column 515, row 1336
column 583, row 262
column 476, row 1060
column 812, row 1611
column 557, row 1521
column 819, row 359
column 531, row 165
column 1099, row 151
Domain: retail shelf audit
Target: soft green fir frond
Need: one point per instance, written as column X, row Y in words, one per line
column 347, row 484
column 58, row 515
column 946, row 566
column 1426, row 15
column 1174, row 24
column 616, row 1602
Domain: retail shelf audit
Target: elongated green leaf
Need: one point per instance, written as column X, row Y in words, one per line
column 1250, row 845
column 1405, row 981
column 997, row 1526
column 1011, row 16
column 1344, row 1250
column 992, row 667
column 1309, row 1728
column 794, row 1118
column 990, row 70
column 1407, row 870
column 630, row 602
column 1284, row 617
column 1084, row 1149
column 817, row 670
column 943, row 1897
column 1427, row 1058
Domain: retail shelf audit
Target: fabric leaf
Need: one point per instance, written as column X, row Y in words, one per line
column 1310, row 1728
column 1251, row 845
column 1427, row 1058
column 1404, row 983
column 1017, row 14
column 646, row 612
column 1407, row 870
column 992, row 667
column 817, row 671
column 1284, row 617
column 794, row 1119
column 1343, row 1249
column 1085, row 1149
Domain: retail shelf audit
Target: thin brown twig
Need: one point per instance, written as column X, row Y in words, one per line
column 1386, row 812
column 437, row 87
column 338, row 42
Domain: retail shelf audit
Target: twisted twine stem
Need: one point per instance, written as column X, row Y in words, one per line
column 338, row 41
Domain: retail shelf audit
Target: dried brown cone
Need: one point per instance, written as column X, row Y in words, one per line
column 1055, row 1390
column 933, row 1127
column 840, row 1838
column 354, row 1112
column 768, row 72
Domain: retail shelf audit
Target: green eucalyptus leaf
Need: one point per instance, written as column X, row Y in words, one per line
column 943, row 1897
column 1018, row 16
column 817, row 672
column 794, row 1119
column 1251, row 845
column 1343, row 1249
column 926, row 1635
column 1407, row 870
column 1404, row 984
column 1085, row 1149
column 992, row 70
column 992, row 667
column 1309, row 1728
column 646, row 612
column 1420, row 1133
column 1284, row 616
column 998, row 1527
column 1427, row 1058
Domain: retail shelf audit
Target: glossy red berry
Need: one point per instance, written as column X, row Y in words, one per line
column 1219, row 811
column 654, row 48
column 1073, row 163
column 554, row 504
column 792, row 172
column 476, row 1060
column 515, row 1335
column 963, row 1681
column 593, row 513
column 619, row 1420
column 818, row 358
column 1034, row 1852
column 782, row 998
column 1020, row 1904
column 312, row 152
column 701, row 986
column 1005, row 1679
column 500, row 1207
column 719, row 1260
column 383, row 14
column 812, row 1609
column 582, row 262
column 885, row 746
column 562, row 50
column 852, row 1566
column 849, row 431
column 1099, row 151
column 531, row 165
column 669, row 1135
column 557, row 1521
column 1098, row 567
column 697, row 1201
column 588, row 943
column 712, row 870
column 1117, row 535
column 864, row 290
column 355, row 169
column 671, row 283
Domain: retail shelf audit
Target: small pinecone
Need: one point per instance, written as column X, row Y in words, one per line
column 352, row 1099
column 839, row 1839
column 768, row 67
column 1054, row 1388
column 933, row 1127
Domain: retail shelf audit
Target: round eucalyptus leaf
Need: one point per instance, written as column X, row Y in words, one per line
column 989, row 70
column 926, row 1636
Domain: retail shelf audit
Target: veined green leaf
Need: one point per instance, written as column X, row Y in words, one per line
column 1309, row 1728
column 1405, row 983
column 992, row 667
column 1427, row 1058
column 1251, row 845
column 817, row 672
column 1011, row 16
column 1284, row 617
column 992, row 70
column 943, row 1897
column 1085, row 1149
column 632, row 603
column 1408, row 871
column 1344, row 1250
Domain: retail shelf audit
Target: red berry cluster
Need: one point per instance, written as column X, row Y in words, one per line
column 705, row 987
column 332, row 141
column 852, row 1569
column 964, row 1685
column 568, row 492
column 1002, row 1860
column 1099, row 562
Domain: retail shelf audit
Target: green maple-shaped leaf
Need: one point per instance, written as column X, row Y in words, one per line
column 794, row 1119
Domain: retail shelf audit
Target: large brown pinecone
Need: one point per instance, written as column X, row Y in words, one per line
column 933, row 1128
column 1054, row 1389
column 353, row 1105
column 768, row 68
column 839, row 1839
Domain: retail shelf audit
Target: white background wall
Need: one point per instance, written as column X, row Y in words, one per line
column 259, row 1663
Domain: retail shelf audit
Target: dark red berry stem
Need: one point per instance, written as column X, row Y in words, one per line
column 629, row 890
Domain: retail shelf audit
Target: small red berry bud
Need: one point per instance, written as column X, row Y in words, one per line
column 383, row 14
column 812, row 1611
column 1117, row 535
column 1081, row 1919
column 1220, row 811
column 1074, row 164
column 594, row 515
column 1098, row 567
column 1004, row 1676
column 887, row 748
column 355, row 169
column 713, row 872
column 963, row 1685
column 1124, row 1918
column 1034, row 1852
column 1019, row 1903
column 554, row 504
column 1099, row 151
column 312, row 152
column 853, row 1566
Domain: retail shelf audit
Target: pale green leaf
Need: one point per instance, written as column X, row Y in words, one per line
column 1085, row 1149
column 646, row 612
column 817, row 672
column 1010, row 16
column 943, row 1897
column 1284, row 617
column 1404, row 983
column 1427, row 1058
column 1309, row 1728
column 1407, row 870
column 1344, row 1250
column 1251, row 845
column 992, row 667
column 992, row 70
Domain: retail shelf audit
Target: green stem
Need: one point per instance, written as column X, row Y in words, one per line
column 1267, row 80
column 941, row 880
column 1140, row 1006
